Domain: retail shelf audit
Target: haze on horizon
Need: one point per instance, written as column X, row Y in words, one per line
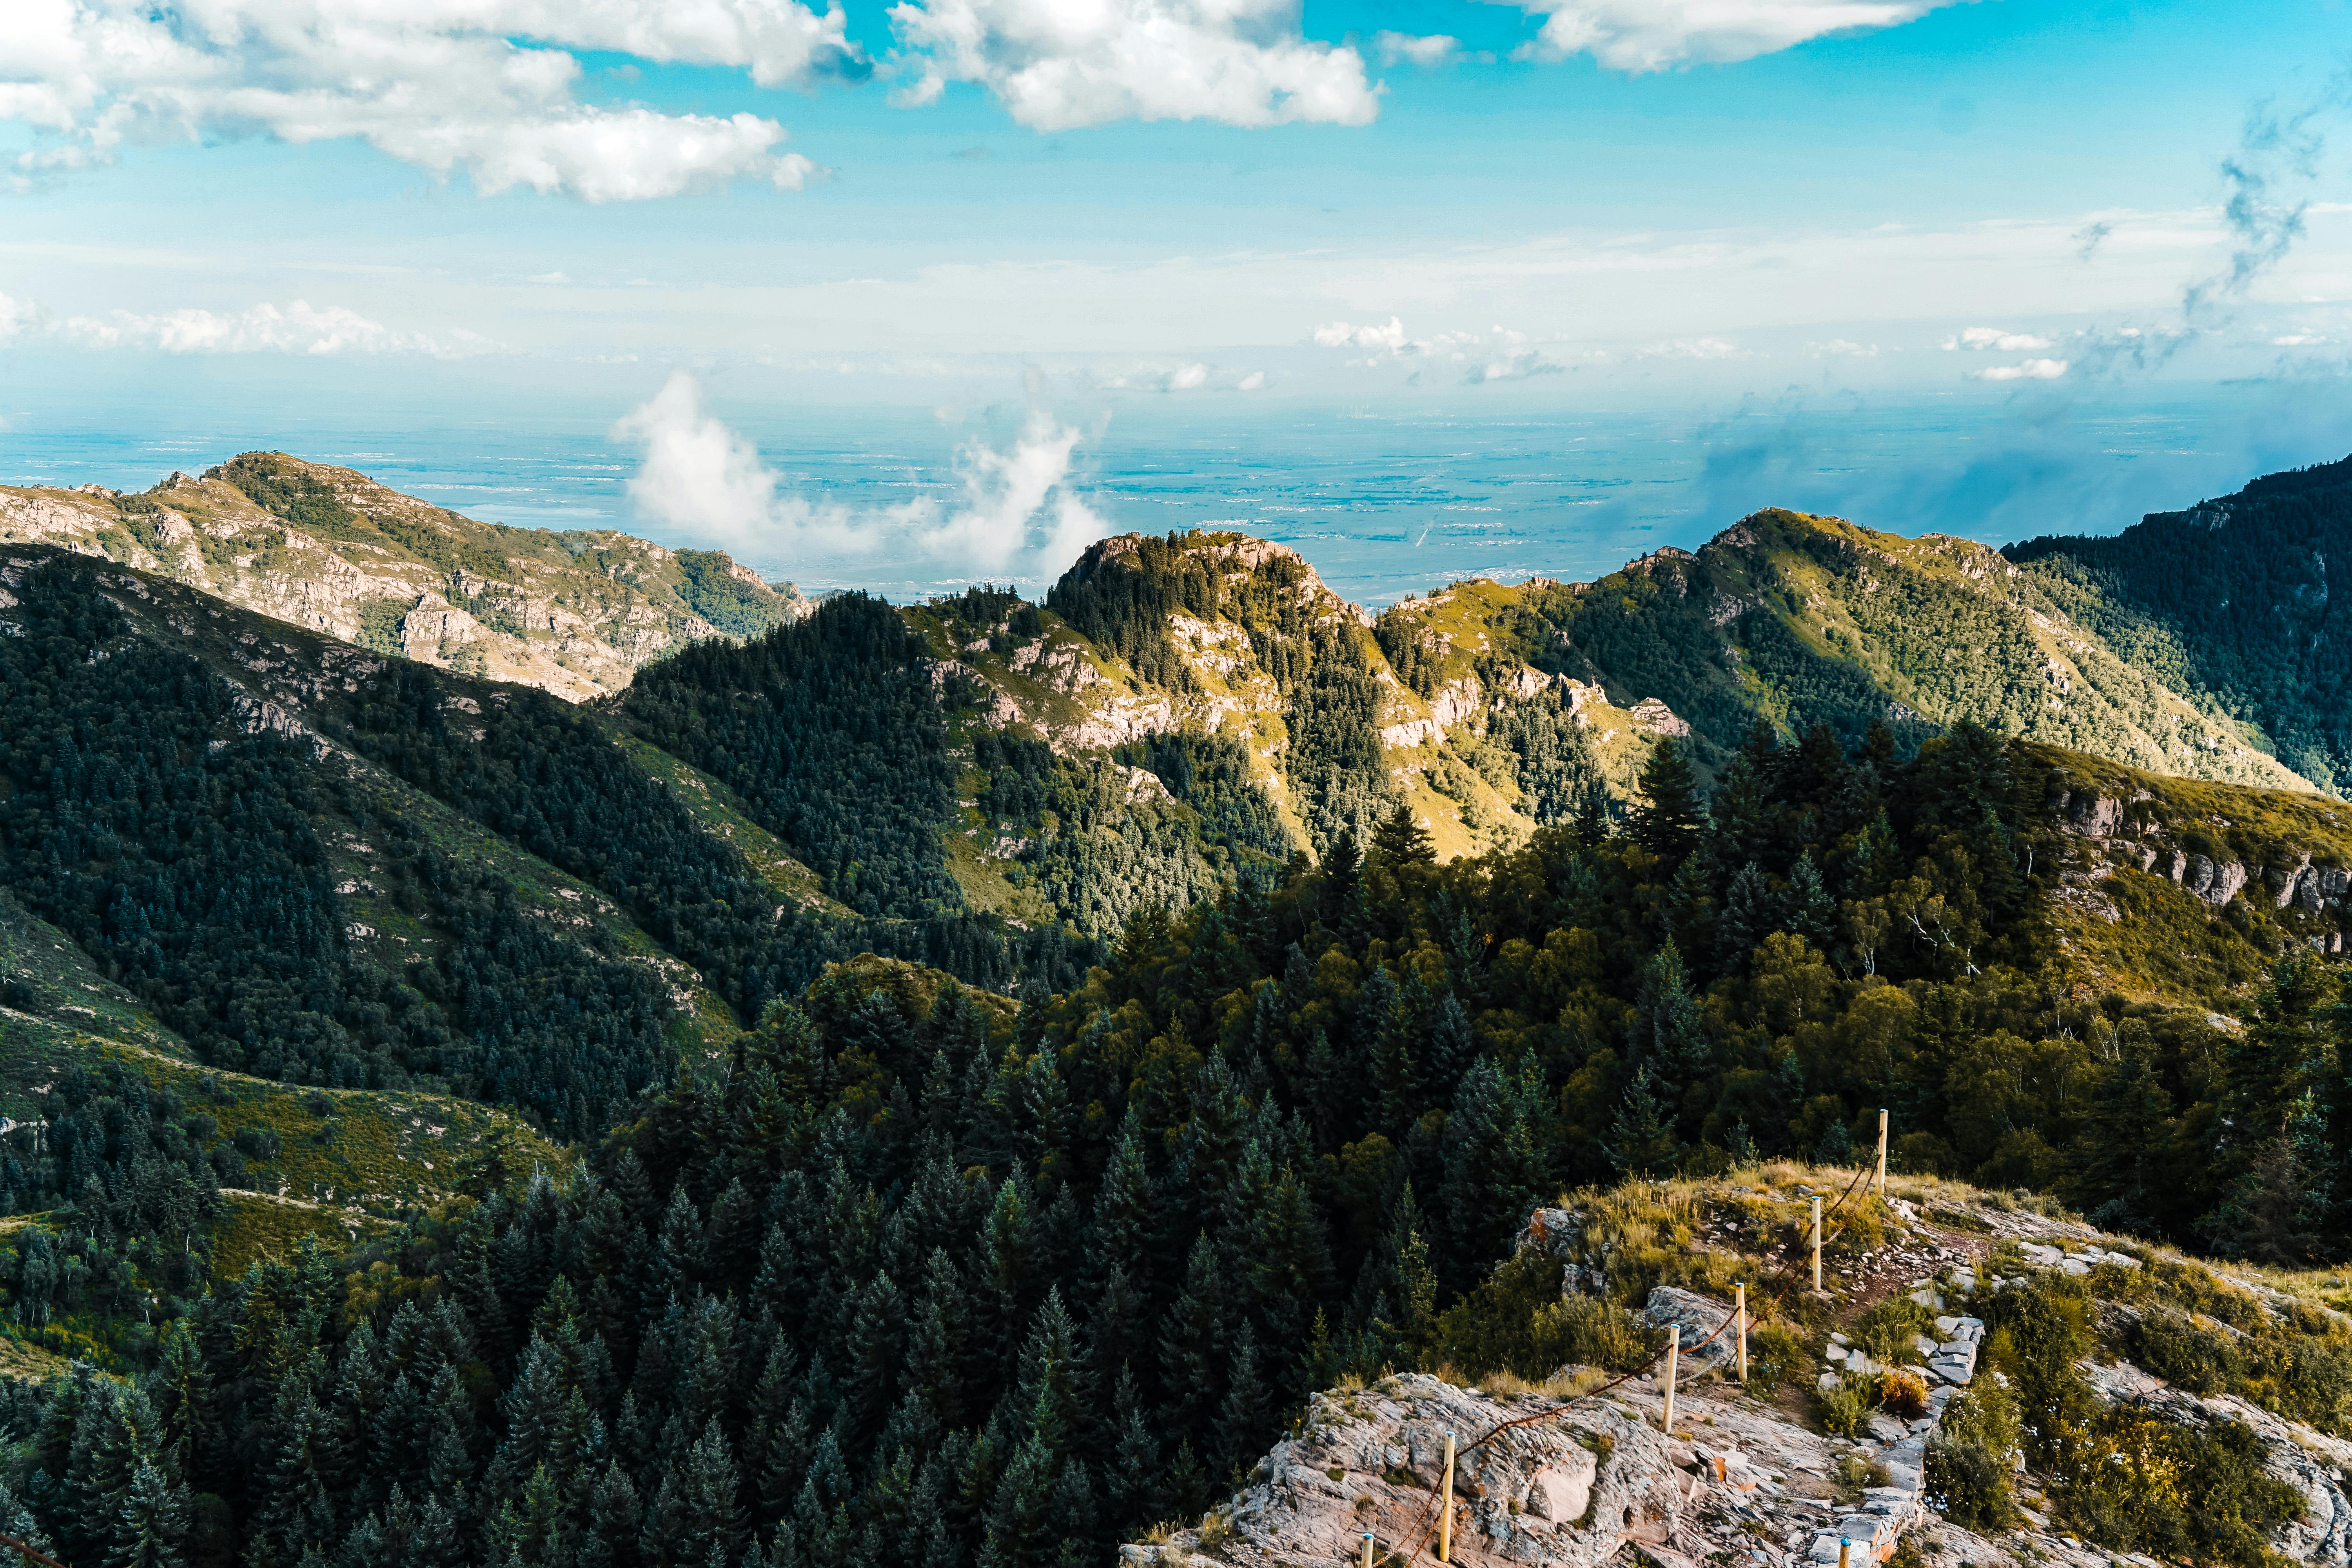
column 1031, row 219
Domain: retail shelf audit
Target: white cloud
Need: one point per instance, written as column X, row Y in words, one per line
column 1639, row 36
column 18, row 316
column 1191, row 377
column 1979, row 338
column 1405, row 48
column 1340, row 335
column 1254, row 381
column 2030, row 370
column 1844, row 348
column 2292, row 340
column 1514, row 365
column 1057, row 66
column 439, row 84
column 297, row 328
column 1695, row 348
column 1017, row 510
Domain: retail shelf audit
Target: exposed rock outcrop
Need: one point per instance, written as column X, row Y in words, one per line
column 575, row 613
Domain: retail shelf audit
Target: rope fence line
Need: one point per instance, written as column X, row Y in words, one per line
column 13, row 1544
column 1424, row 1522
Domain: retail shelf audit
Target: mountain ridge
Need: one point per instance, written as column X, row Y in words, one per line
column 332, row 550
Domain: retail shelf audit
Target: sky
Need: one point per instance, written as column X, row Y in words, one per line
column 671, row 222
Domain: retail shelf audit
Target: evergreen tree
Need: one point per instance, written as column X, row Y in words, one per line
column 1642, row 1141
column 1669, row 816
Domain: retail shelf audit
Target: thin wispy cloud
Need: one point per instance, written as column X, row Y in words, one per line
column 2028, row 370
column 1996, row 339
column 1641, row 35
column 296, row 327
column 1411, row 49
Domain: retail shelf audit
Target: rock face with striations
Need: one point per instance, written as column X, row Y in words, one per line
column 331, row 551
column 1565, row 1490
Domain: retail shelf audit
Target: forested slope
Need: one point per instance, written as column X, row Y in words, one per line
column 914, row 1275
column 860, row 1260
column 2229, row 601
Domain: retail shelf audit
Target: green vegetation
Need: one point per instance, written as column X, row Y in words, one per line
column 889, row 1265
column 1159, row 823
column 187, row 857
column 2227, row 603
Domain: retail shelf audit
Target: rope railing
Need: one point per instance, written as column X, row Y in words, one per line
column 1424, row 1523
column 30, row 1555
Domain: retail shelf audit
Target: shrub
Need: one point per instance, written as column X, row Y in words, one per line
column 1775, row 1356
column 1519, row 1322
column 2172, row 1346
column 2035, row 1331
column 2138, row 1482
column 1845, row 1407
column 1968, row 1484
column 1887, row 1330
column 1904, row 1393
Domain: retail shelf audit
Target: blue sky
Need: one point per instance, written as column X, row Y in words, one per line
column 956, row 202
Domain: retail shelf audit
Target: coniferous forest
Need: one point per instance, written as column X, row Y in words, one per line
column 874, row 1226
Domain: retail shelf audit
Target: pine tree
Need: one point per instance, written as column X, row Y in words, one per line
column 1669, row 817
column 1642, row 1141
column 1401, row 842
column 152, row 1529
column 1669, row 1034
column 1811, row 914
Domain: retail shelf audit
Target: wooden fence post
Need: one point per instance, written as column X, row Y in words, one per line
column 1674, row 1355
column 1368, row 1549
column 1445, row 1509
column 1741, row 1309
column 1817, row 1247
column 1880, row 1187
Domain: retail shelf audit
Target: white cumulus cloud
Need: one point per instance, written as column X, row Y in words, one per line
column 1371, row 335
column 1254, row 381
column 1995, row 338
column 2030, row 370
column 1016, row 511
column 1057, row 65
column 440, row 84
column 1637, row 35
column 1844, row 348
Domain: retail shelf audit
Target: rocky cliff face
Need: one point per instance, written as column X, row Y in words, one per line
column 2306, row 882
column 331, row 551
column 1557, row 1477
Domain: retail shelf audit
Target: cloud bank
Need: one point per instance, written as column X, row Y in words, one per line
column 439, row 84
column 1017, row 512
column 1641, row 35
column 1056, row 66
column 296, row 328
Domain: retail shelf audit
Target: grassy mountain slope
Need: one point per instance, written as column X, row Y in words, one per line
column 2230, row 603
column 1797, row 620
column 331, row 550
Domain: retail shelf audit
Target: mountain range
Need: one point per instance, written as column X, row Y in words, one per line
column 539, row 1048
